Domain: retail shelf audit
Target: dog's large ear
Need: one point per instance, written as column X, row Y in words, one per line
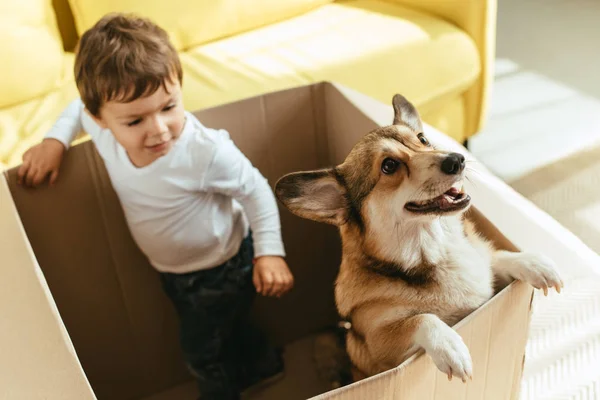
column 406, row 114
column 315, row 195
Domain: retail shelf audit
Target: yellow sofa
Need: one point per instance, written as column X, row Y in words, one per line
column 438, row 53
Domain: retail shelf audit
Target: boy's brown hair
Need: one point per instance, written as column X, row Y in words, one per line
column 123, row 57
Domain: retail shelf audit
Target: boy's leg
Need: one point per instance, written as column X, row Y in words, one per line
column 257, row 360
column 203, row 333
column 208, row 304
column 204, row 339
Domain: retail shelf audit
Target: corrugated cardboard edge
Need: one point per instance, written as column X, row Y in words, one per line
column 30, row 320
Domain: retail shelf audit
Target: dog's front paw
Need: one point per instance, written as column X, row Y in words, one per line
column 539, row 271
column 450, row 355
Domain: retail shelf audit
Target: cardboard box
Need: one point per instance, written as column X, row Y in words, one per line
column 83, row 314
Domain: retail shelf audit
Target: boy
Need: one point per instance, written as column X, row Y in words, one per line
column 195, row 205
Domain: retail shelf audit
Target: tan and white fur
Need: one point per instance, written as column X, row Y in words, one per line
column 412, row 264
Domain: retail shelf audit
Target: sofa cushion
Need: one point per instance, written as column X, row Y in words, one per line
column 31, row 49
column 372, row 46
column 191, row 23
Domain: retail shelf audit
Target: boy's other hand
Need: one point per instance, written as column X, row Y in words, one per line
column 39, row 161
column 272, row 277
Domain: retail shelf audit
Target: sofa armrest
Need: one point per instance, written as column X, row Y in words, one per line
column 478, row 19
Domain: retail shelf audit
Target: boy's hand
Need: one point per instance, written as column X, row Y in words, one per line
column 272, row 277
column 41, row 160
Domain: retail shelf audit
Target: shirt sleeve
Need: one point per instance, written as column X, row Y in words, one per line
column 231, row 173
column 68, row 124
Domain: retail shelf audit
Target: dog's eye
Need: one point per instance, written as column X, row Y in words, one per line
column 423, row 139
column 389, row 166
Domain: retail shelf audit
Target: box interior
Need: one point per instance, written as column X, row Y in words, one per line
column 122, row 325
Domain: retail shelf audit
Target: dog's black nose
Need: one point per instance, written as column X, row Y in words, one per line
column 453, row 164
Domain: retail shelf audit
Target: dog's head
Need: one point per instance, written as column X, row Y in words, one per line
column 392, row 175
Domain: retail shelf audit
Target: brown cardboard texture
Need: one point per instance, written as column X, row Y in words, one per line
column 68, row 258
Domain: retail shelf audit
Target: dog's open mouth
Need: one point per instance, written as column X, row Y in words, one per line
column 452, row 200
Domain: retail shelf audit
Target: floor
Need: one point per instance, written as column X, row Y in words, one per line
column 546, row 97
column 545, row 110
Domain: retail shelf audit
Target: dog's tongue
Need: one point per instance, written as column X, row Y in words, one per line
column 443, row 201
column 453, row 192
column 449, row 198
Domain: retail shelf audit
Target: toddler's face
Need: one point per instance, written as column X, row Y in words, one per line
column 148, row 126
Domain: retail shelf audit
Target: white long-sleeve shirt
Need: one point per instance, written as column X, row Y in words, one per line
column 191, row 208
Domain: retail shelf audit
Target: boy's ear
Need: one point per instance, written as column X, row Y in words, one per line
column 315, row 195
column 406, row 114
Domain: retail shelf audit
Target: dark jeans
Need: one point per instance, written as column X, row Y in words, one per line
column 217, row 338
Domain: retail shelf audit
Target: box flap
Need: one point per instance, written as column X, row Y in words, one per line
column 110, row 299
column 38, row 358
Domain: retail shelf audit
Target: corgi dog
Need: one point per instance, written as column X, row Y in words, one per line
column 412, row 265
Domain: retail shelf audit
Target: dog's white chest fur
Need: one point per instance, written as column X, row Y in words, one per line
column 463, row 270
column 462, row 266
